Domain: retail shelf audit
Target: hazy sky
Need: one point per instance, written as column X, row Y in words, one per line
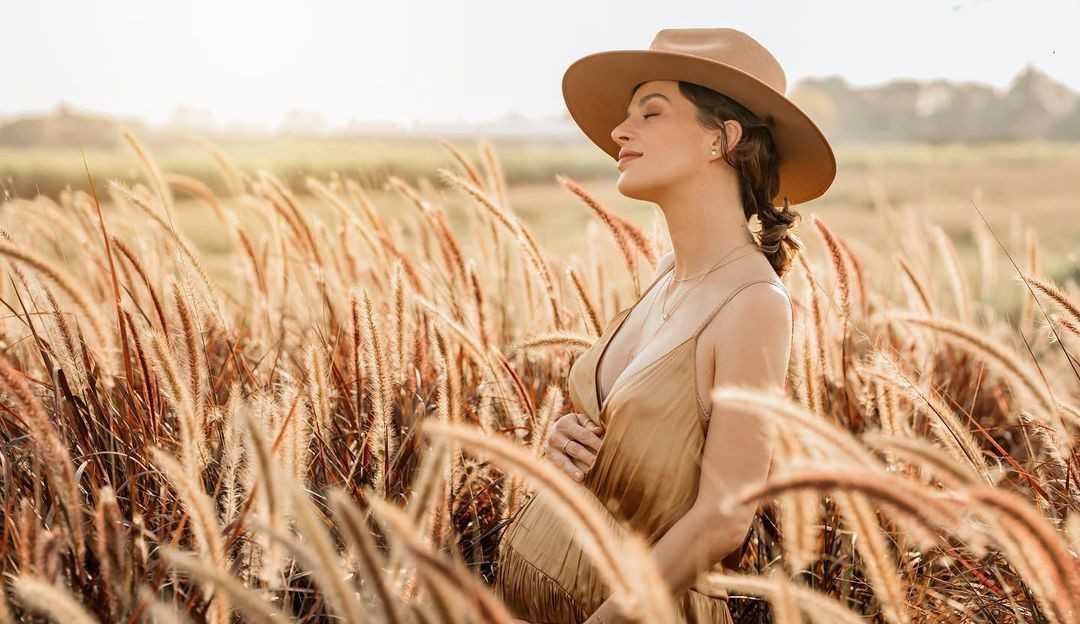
column 434, row 60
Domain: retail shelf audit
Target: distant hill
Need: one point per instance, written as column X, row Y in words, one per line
column 66, row 127
column 1033, row 107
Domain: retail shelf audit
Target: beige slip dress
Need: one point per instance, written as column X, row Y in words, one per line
column 646, row 471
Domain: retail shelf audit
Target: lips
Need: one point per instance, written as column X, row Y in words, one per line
column 627, row 158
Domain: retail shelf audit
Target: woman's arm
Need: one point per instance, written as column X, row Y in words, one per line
column 737, row 449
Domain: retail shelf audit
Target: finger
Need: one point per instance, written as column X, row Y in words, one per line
column 588, row 436
column 566, row 465
column 576, row 456
column 580, row 452
column 555, row 442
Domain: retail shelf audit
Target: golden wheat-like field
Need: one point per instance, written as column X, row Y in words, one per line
column 324, row 406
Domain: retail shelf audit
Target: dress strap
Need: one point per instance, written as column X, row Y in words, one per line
column 737, row 290
column 670, row 268
column 645, row 292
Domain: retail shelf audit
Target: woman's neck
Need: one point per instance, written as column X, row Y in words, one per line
column 705, row 222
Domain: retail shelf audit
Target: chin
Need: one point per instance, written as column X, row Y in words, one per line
column 630, row 186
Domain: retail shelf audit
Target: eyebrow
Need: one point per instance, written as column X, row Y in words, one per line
column 645, row 98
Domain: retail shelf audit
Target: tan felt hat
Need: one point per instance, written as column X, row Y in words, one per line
column 597, row 90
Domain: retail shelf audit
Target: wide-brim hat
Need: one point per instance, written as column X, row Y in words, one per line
column 597, row 89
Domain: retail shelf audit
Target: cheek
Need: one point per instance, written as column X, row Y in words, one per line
column 660, row 167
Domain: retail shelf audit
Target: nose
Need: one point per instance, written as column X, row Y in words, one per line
column 619, row 133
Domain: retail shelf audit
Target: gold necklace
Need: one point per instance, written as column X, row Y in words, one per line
column 665, row 314
column 715, row 266
column 665, row 317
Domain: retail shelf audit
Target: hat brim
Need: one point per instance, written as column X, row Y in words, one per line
column 597, row 89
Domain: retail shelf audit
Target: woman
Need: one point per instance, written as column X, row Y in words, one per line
column 700, row 126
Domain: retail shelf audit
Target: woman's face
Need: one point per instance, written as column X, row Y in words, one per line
column 674, row 147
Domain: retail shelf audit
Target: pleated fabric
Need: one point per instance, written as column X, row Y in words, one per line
column 646, row 473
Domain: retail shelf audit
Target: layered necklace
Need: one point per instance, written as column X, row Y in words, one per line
column 665, row 314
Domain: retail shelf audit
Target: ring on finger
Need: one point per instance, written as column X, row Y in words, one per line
column 566, row 444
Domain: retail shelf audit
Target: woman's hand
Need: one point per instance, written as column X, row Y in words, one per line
column 580, row 438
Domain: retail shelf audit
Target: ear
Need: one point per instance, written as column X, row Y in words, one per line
column 733, row 131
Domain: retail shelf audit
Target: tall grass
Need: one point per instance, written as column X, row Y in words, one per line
column 346, row 436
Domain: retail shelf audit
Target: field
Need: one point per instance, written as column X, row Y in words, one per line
column 282, row 393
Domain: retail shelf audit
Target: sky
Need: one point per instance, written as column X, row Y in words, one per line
column 474, row 60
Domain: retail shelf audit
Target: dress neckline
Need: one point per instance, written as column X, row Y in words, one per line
column 602, row 404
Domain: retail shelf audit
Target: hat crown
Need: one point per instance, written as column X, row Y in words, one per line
column 725, row 45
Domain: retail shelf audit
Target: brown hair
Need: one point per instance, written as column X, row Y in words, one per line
column 756, row 161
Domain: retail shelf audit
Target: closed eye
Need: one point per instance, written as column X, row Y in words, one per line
column 650, row 115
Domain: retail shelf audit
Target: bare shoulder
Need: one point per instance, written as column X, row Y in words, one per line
column 758, row 317
column 762, row 306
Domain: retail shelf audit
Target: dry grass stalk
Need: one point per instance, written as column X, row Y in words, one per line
column 1047, row 288
column 157, row 611
column 1034, row 531
column 630, row 231
column 5, row 611
column 153, row 174
column 252, row 603
column 916, row 284
column 957, row 284
column 261, row 484
column 520, row 234
column 204, row 524
column 199, row 189
column 1031, row 248
column 785, row 607
column 820, row 608
column 998, row 357
column 355, row 529
column 925, row 455
column 469, row 589
column 436, row 219
column 568, row 340
column 62, row 280
column 382, row 430
column 592, row 319
column 133, row 259
column 196, row 362
column 192, row 436
column 955, row 435
column 879, row 563
column 857, row 269
column 496, row 180
column 479, row 305
column 184, row 246
column 617, row 232
column 820, row 333
column 110, row 542
column 51, row 450
column 778, row 408
column 318, row 396
column 466, row 165
column 398, row 324
column 931, row 511
column 37, row 594
column 598, row 537
column 67, row 339
column 836, row 256
column 799, row 511
column 234, row 179
column 550, row 408
column 318, row 553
